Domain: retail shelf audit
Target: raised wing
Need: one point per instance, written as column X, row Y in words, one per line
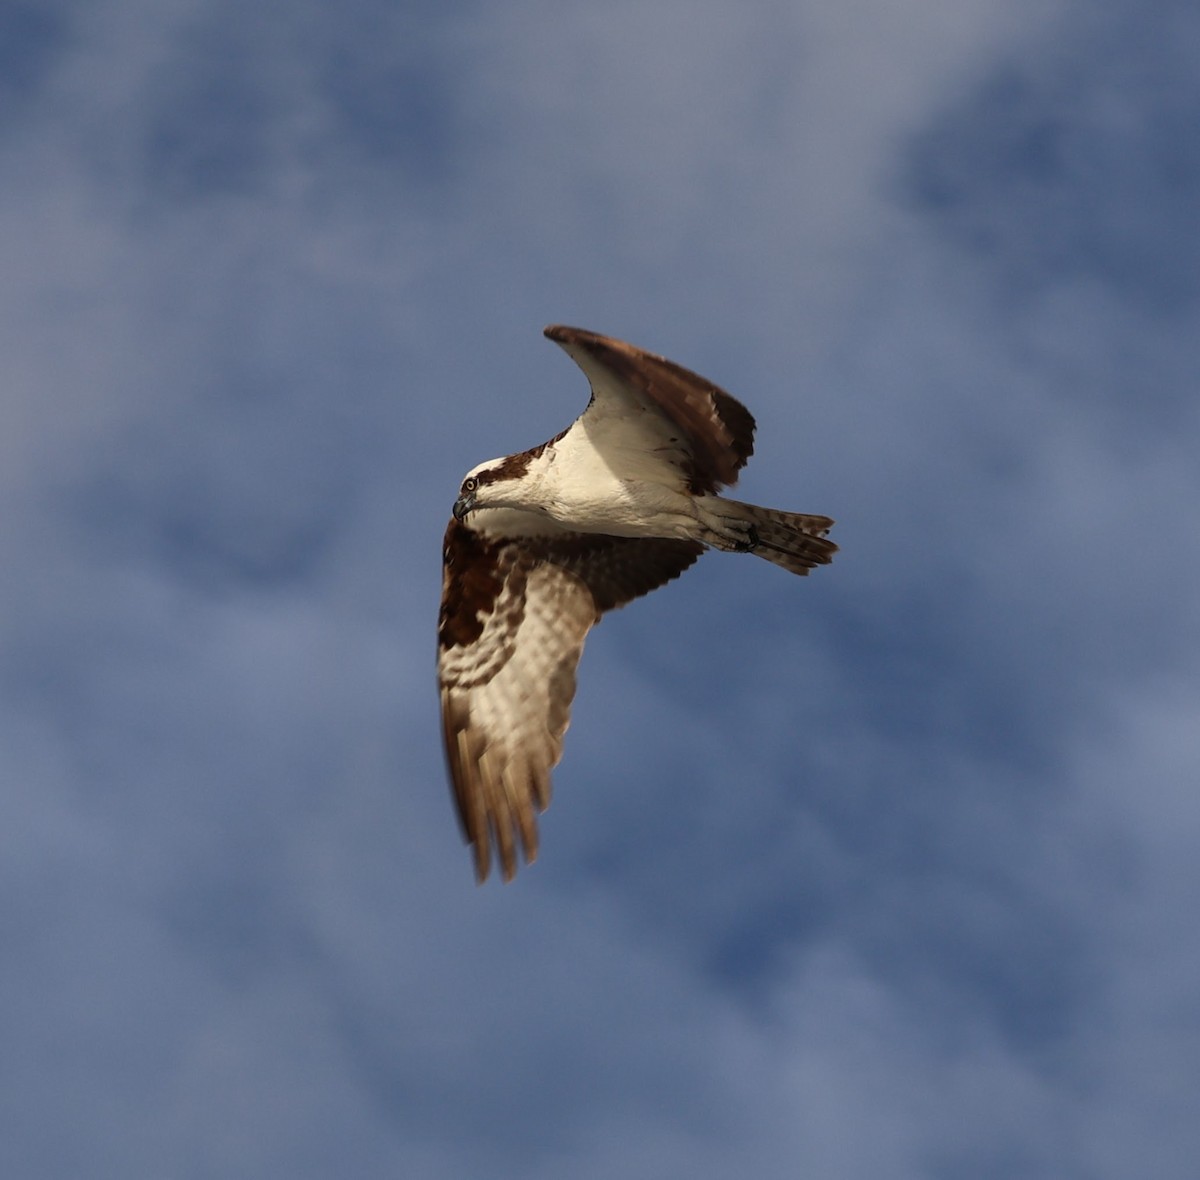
column 642, row 402
column 513, row 621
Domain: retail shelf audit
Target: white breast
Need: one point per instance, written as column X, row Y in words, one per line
column 622, row 489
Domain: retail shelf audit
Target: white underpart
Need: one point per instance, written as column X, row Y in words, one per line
column 618, row 470
column 628, row 492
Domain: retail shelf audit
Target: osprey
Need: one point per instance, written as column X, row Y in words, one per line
column 542, row 543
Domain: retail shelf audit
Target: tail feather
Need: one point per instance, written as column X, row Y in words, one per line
column 796, row 541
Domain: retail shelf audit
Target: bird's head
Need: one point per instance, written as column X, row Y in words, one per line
column 477, row 490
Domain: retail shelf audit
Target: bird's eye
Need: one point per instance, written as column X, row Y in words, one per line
column 470, row 484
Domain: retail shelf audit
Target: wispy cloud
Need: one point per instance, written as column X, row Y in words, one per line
column 883, row 873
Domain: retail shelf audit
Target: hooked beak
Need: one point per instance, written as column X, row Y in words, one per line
column 463, row 505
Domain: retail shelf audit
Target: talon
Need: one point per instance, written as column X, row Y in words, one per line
column 750, row 543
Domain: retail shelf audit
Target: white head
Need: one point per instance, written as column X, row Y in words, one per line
column 488, row 485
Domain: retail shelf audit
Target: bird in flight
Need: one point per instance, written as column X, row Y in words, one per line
column 542, row 543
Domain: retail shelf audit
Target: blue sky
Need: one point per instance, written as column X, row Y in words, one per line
column 891, row 872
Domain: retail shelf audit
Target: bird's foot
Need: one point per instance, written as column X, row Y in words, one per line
column 736, row 536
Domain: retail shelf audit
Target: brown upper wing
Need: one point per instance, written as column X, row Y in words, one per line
column 513, row 621
column 717, row 430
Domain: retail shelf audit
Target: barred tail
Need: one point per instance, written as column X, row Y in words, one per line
column 794, row 540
